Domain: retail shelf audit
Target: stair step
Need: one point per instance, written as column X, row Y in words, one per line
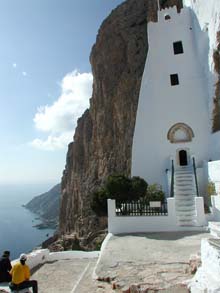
column 185, row 213
column 187, row 224
column 187, row 219
column 181, row 178
column 184, row 183
column 183, row 175
column 183, row 187
column 183, row 172
column 183, row 200
column 185, row 193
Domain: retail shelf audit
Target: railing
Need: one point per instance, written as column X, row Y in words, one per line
column 172, row 180
column 196, row 181
column 139, row 208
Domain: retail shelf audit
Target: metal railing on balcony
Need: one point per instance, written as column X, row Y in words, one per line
column 139, row 208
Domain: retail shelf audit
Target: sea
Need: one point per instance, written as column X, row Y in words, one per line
column 17, row 231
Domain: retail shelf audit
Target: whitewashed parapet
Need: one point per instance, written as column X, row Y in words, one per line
column 36, row 258
column 216, row 207
column 41, row 256
column 200, row 212
column 73, row 254
column 134, row 224
column 207, row 277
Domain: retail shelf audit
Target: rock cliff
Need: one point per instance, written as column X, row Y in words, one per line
column 103, row 137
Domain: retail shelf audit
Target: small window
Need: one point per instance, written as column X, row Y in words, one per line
column 178, row 48
column 167, row 17
column 174, row 79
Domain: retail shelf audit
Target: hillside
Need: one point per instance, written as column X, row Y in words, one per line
column 46, row 205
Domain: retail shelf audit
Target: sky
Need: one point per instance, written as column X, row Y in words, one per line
column 45, row 82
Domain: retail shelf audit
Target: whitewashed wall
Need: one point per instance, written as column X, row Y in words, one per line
column 133, row 224
column 162, row 105
column 42, row 256
column 207, row 276
column 215, row 200
column 208, row 16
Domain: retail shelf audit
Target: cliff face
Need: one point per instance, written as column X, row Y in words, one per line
column 103, row 137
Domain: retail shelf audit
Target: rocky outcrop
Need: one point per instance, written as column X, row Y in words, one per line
column 103, row 137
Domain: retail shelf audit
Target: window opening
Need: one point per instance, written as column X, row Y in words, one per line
column 167, row 17
column 174, row 79
column 178, row 47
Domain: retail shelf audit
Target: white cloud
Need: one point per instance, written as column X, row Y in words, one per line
column 24, row 73
column 60, row 118
column 14, row 65
column 53, row 142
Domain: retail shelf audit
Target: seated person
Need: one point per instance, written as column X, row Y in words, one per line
column 5, row 267
column 20, row 276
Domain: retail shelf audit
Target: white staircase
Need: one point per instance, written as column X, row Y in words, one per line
column 185, row 193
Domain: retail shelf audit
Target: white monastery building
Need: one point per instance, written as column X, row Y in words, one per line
column 173, row 140
column 172, row 122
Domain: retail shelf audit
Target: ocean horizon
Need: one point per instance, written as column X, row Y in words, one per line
column 17, row 231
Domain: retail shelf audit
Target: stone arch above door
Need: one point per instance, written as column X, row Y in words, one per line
column 180, row 132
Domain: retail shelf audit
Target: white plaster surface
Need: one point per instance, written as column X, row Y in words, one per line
column 208, row 16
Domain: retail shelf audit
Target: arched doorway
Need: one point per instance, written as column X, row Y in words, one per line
column 183, row 158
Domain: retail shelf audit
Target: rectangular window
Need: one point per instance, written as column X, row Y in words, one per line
column 178, row 48
column 174, row 79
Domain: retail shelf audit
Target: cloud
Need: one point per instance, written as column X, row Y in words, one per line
column 53, row 142
column 24, row 73
column 14, row 65
column 60, row 118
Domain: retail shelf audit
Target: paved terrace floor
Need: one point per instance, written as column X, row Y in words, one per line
column 153, row 260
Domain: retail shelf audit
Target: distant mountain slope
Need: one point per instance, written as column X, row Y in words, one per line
column 46, row 205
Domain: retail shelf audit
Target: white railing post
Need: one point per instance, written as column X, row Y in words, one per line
column 171, row 209
column 200, row 212
column 111, row 215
